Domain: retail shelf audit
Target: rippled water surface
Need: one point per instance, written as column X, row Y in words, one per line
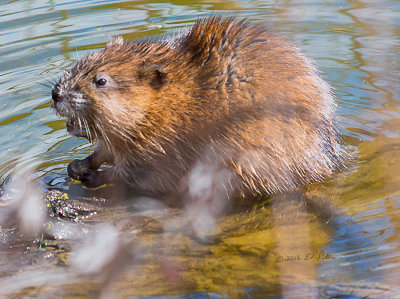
column 253, row 251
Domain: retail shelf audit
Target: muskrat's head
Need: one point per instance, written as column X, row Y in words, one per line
column 111, row 92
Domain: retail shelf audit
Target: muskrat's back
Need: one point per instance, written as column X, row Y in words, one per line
column 226, row 94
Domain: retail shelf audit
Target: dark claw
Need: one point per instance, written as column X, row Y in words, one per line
column 77, row 168
column 92, row 179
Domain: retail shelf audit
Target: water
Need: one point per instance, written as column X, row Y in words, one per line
column 356, row 45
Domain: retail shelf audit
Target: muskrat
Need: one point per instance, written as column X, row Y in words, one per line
column 225, row 94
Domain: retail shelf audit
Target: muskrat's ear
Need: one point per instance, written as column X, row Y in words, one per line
column 154, row 74
column 160, row 77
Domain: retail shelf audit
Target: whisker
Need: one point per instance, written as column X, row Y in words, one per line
column 45, row 84
column 78, row 119
column 105, row 137
column 82, row 123
column 51, row 82
column 85, row 126
column 107, row 140
column 89, row 133
column 54, row 79
column 94, row 131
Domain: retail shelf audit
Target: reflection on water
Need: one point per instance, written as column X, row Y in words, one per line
column 261, row 249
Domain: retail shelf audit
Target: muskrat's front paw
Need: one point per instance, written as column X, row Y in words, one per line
column 77, row 168
column 92, row 179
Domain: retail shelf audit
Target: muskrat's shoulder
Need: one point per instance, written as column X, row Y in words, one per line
column 213, row 39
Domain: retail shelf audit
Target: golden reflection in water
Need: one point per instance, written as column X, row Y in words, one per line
column 376, row 179
column 294, row 246
column 379, row 35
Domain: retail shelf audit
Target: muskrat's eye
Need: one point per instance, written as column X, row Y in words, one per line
column 101, row 82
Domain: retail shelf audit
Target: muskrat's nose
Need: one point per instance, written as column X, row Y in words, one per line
column 56, row 97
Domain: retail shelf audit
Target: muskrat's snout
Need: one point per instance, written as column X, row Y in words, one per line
column 58, row 100
column 61, row 102
column 56, row 96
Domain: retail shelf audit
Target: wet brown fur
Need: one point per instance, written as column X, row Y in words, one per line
column 226, row 93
